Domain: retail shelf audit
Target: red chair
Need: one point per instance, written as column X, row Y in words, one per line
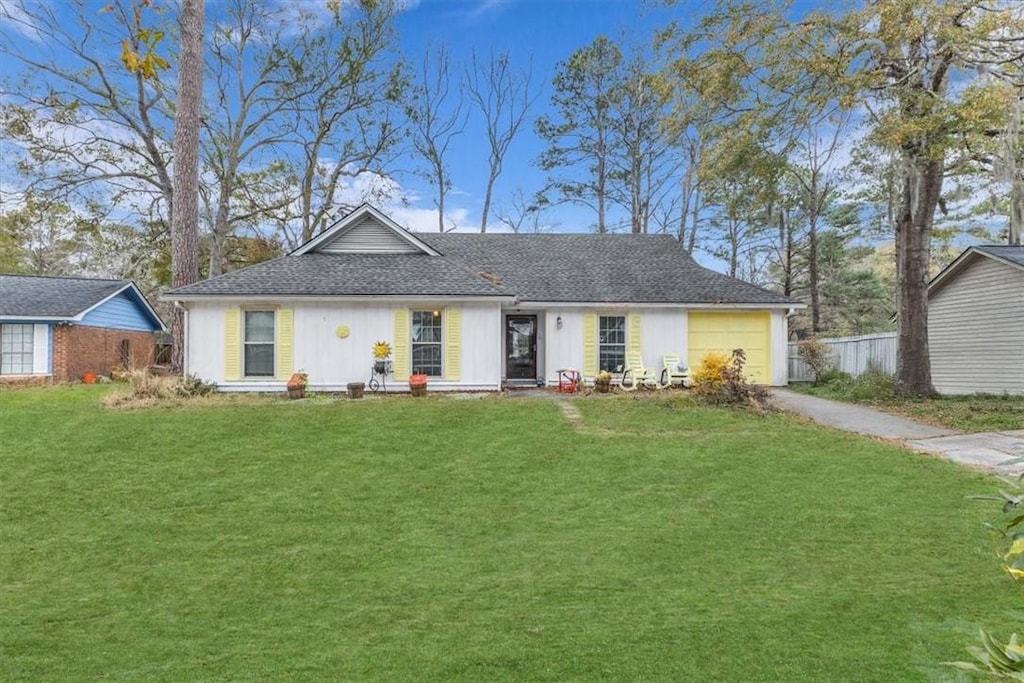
column 569, row 381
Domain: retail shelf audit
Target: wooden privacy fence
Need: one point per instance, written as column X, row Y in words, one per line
column 850, row 354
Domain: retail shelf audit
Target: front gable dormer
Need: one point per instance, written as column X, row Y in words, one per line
column 365, row 231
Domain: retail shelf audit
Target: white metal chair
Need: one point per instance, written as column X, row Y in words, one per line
column 636, row 374
column 673, row 371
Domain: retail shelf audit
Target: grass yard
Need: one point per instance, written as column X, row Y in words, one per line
column 479, row 540
column 976, row 413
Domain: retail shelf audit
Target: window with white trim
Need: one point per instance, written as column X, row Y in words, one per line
column 259, row 344
column 426, row 343
column 16, row 349
column 611, row 342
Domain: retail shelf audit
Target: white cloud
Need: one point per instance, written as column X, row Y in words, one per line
column 13, row 15
column 487, row 6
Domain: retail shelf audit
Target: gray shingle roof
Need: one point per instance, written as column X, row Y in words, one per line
column 1004, row 251
column 598, row 268
column 556, row 268
column 52, row 297
column 349, row 275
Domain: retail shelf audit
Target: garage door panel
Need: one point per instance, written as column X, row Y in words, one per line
column 723, row 332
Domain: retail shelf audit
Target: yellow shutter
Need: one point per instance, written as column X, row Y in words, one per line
column 400, row 344
column 232, row 345
column 634, row 337
column 285, row 343
column 589, row 344
column 453, row 344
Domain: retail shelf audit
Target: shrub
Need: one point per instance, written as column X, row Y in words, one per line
column 997, row 660
column 144, row 388
column 873, row 384
column 817, row 355
column 835, row 376
column 191, row 386
column 720, row 380
column 709, row 374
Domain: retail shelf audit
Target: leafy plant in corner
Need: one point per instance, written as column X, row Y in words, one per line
column 1003, row 661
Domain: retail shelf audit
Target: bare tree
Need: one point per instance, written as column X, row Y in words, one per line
column 816, row 179
column 437, row 119
column 524, row 215
column 347, row 112
column 251, row 73
column 504, row 98
column 89, row 130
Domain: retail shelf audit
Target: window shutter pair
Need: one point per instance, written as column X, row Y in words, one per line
column 284, row 344
column 401, row 361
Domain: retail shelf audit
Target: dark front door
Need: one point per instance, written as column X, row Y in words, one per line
column 521, row 347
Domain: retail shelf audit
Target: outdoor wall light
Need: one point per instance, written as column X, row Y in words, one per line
column 558, row 322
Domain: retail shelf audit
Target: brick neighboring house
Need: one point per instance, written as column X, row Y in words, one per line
column 59, row 328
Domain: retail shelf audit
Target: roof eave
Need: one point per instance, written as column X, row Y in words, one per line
column 186, row 298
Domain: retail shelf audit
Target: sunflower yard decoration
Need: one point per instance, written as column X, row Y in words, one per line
column 381, row 350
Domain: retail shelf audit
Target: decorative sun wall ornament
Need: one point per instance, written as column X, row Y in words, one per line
column 381, row 350
column 342, row 331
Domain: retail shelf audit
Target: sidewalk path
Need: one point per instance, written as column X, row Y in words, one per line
column 989, row 450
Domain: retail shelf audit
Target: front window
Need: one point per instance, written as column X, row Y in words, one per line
column 426, row 343
column 259, row 343
column 611, row 342
column 16, row 349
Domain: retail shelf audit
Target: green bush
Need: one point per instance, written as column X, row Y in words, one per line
column 873, row 384
column 817, row 355
column 835, row 376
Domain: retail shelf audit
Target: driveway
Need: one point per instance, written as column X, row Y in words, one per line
column 988, row 450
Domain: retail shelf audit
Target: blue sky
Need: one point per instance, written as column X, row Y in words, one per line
column 542, row 31
column 534, row 32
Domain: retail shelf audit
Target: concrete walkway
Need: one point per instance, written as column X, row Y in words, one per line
column 988, row 451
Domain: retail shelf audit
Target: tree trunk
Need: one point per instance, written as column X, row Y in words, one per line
column 487, row 200
column 185, row 204
column 787, row 254
column 812, row 270
column 441, row 192
column 1016, row 210
column 922, row 185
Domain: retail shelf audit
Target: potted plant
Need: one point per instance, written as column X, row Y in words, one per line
column 418, row 384
column 603, row 382
column 381, row 356
column 297, row 384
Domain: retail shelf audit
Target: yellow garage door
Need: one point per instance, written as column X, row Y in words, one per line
column 728, row 330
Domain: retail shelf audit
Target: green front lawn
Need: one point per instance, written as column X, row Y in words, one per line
column 482, row 539
column 976, row 413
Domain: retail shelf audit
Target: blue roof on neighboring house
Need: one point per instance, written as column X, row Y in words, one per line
column 87, row 301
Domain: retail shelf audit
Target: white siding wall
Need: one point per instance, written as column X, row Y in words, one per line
column 780, row 348
column 664, row 330
column 562, row 348
column 976, row 331
column 333, row 362
column 368, row 237
column 205, row 343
